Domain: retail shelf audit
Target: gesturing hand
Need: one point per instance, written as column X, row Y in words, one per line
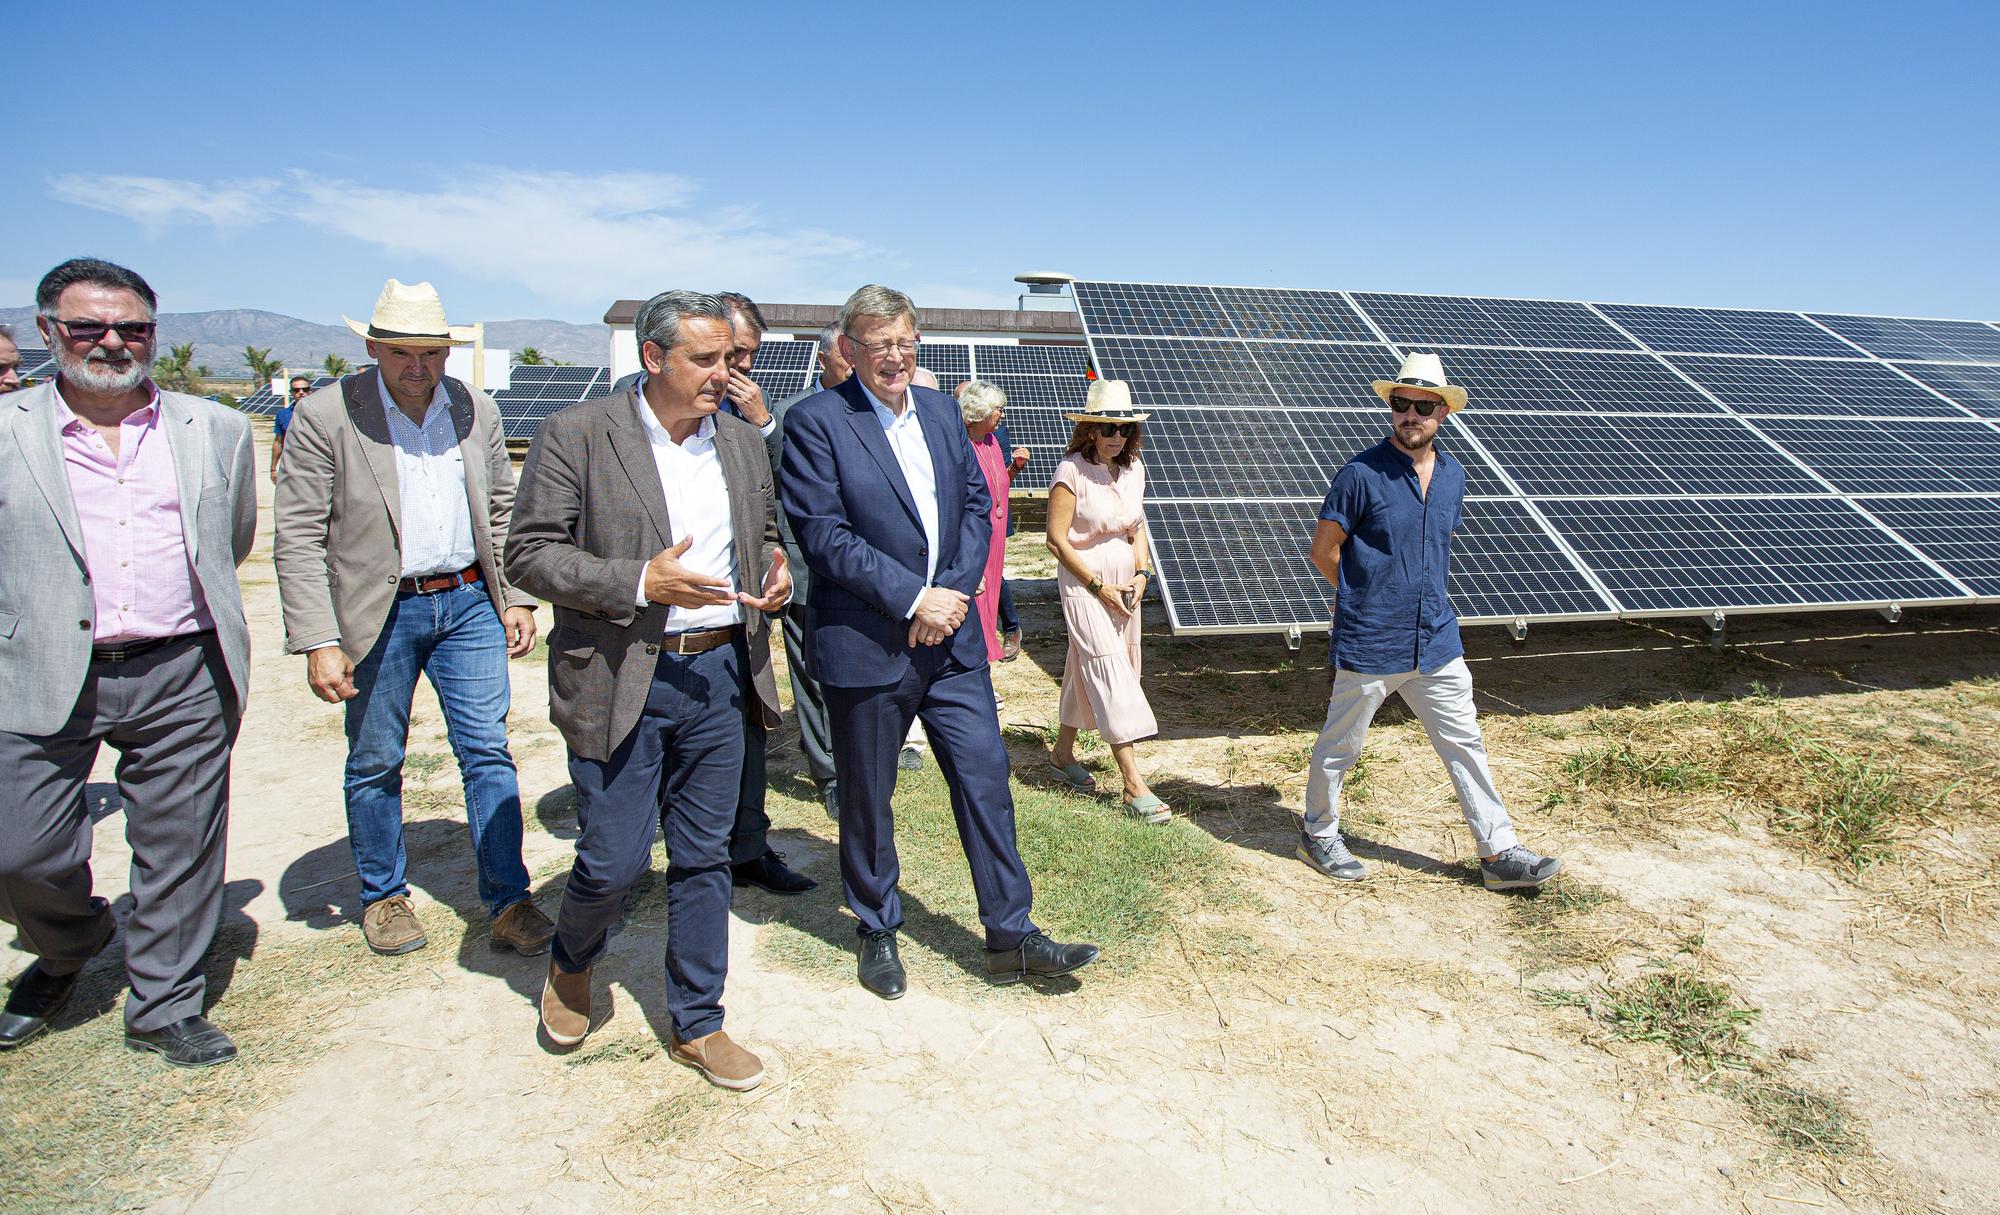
column 330, row 674
column 749, row 398
column 1019, row 458
column 939, row 613
column 777, row 586
column 674, row 584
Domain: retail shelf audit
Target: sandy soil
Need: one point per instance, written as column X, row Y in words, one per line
column 1378, row 1047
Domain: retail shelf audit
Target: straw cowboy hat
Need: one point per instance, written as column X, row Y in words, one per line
column 409, row 316
column 1423, row 371
column 1109, row 401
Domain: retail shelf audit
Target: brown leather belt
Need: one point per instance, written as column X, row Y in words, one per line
column 127, row 650
column 699, row 641
column 431, row 584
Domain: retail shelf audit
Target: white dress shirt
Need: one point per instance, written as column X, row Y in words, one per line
column 913, row 456
column 698, row 506
column 430, row 482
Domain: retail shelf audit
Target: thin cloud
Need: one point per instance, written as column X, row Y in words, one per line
column 574, row 239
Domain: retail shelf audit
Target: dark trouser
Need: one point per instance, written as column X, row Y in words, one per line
column 170, row 713
column 749, row 838
column 808, row 701
column 680, row 768
column 1009, row 621
column 956, row 706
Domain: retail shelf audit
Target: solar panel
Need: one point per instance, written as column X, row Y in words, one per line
column 1706, row 467
column 993, row 359
column 1895, row 337
column 1813, row 386
column 1583, row 455
column 951, row 362
column 1424, row 321
column 1960, row 534
column 535, row 392
column 1726, row 331
column 1306, row 315
column 1174, row 372
column 1974, row 388
column 1676, row 556
column 37, row 364
column 1874, row 456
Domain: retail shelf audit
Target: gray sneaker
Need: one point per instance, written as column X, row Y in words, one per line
column 909, row 759
column 1518, row 868
column 1330, row 856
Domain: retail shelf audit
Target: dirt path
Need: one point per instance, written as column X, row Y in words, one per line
column 1298, row 1047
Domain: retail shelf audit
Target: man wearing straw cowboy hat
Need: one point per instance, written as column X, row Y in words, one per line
column 1384, row 542
column 392, row 509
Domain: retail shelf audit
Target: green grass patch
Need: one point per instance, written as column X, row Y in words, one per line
column 1802, row 1120
column 1098, row 877
column 1626, row 766
column 1695, row 1017
column 1850, row 807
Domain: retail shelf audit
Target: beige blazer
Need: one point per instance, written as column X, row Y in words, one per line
column 339, row 512
column 46, row 602
column 590, row 515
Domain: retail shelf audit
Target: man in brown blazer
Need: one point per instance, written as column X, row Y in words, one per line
column 392, row 508
column 648, row 519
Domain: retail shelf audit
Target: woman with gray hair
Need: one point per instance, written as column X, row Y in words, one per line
column 983, row 404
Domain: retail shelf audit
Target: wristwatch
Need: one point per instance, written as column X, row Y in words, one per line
column 1096, row 585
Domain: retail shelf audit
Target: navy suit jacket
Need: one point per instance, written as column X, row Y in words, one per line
column 857, row 527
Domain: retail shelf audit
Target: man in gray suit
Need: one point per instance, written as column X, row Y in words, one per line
column 126, row 511
column 808, row 703
column 643, row 517
column 392, row 508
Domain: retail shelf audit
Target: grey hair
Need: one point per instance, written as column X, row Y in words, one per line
column 7, row 331
column 979, row 400
column 885, row 303
column 659, row 318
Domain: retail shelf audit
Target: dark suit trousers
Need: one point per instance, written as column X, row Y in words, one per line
column 808, row 701
column 170, row 715
column 679, row 769
column 869, row 724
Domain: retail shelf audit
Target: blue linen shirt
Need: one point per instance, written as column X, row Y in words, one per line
column 1392, row 612
column 281, row 421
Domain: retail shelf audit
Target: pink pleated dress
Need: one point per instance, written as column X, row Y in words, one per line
column 1100, row 688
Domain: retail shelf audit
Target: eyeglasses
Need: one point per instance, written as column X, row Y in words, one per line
column 1107, row 429
column 299, row 390
column 876, row 350
column 1406, row 404
column 94, row 331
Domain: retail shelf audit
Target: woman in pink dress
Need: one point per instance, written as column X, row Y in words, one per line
column 1097, row 530
column 982, row 405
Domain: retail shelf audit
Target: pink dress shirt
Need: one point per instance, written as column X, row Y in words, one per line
column 134, row 541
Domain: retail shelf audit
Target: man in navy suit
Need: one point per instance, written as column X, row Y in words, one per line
column 890, row 511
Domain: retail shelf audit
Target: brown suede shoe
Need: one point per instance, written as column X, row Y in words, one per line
column 566, row 1006
column 522, row 928
column 722, row 1062
column 390, row 925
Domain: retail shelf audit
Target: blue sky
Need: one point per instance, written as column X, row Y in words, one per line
column 1823, row 156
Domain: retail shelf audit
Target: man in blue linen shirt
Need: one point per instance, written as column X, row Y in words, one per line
column 1384, row 542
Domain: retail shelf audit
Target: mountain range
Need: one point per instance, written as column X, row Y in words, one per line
column 219, row 338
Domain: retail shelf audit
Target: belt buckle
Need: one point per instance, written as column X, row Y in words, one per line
column 680, row 643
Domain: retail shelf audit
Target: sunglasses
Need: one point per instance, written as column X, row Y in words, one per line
column 94, row 331
column 299, row 390
column 1404, row 405
column 1107, row 429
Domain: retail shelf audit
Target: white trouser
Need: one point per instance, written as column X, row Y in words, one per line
column 1442, row 701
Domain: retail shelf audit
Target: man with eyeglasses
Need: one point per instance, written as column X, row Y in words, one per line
column 281, row 421
column 891, row 513
column 126, row 511
column 1384, row 543
column 10, row 361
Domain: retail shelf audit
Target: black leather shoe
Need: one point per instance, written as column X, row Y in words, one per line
column 37, row 997
column 188, row 1042
column 1037, row 956
column 770, row 872
column 881, row 966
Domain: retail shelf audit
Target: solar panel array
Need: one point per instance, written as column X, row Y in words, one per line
column 1042, row 383
column 37, row 364
column 264, row 402
column 1621, row 460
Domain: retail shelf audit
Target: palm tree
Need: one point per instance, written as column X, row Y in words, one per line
column 177, row 372
column 528, row 356
column 262, row 366
column 336, row 366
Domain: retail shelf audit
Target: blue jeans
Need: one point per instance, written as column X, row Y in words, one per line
column 678, row 772
column 456, row 639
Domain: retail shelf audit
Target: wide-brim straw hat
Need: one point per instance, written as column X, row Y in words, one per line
column 410, row 315
column 1425, row 371
column 1109, row 401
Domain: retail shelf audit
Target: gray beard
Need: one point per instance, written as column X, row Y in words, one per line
column 92, row 375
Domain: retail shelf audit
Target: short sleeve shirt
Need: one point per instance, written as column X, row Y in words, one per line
column 281, row 421
column 1391, row 609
